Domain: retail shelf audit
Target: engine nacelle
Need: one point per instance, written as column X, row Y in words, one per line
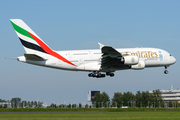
column 130, row 60
column 139, row 66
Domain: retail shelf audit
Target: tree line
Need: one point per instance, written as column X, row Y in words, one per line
column 140, row 99
column 128, row 99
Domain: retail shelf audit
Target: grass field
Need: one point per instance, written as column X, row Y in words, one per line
column 86, row 109
column 92, row 116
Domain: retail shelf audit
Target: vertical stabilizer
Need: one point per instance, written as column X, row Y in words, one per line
column 32, row 43
column 29, row 39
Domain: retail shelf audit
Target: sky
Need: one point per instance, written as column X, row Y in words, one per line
column 78, row 25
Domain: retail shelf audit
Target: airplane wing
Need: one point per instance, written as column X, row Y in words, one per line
column 110, row 51
column 109, row 58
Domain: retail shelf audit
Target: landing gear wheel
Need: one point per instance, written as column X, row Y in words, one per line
column 96, row 74
column 103, row 75
column 166, row 72
column 100, row 75
column 112, row 75
column 108, row 73
column 90, row 74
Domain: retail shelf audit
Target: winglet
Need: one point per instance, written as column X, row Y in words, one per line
column 100, row 45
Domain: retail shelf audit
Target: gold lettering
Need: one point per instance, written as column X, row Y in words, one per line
column 127, row 53
column 152, row 54
column 139, row 54
column 146, row 55
column 142, row 55
column 149, row 54
column 135, row 54
column 156, row 54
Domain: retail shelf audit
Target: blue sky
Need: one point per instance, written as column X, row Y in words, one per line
column 72, row 25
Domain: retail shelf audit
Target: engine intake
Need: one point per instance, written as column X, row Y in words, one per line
column 130, row 60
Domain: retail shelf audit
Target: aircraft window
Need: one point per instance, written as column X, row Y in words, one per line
column 96, row 53
column 170, row 55
column 80, row 54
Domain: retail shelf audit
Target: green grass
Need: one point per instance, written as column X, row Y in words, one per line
column 92, row 116
column 87, row 109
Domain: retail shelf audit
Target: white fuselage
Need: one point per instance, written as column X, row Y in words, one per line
column 90, row 60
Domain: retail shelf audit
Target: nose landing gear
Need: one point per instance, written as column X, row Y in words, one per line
column 166, row 71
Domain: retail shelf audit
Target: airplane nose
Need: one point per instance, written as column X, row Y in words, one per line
column 173, row 60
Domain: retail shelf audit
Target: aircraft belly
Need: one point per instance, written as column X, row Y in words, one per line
column 156, row 63
column 90, row 66
column 60, row 65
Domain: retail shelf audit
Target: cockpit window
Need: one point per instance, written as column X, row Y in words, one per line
column 170, row 55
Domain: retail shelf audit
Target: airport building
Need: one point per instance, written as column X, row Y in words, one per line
column 170, row 94
column 91, row 95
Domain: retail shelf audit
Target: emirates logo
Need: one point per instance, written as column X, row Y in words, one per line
column 139, row 64
column 132, row 59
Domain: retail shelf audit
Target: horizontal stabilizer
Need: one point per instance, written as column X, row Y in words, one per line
column 34, row 57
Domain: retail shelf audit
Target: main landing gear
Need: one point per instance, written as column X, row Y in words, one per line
column 99, row 75
column 96, row 74
column 166, row 71
column 110, row 74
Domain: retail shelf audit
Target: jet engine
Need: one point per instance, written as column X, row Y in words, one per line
column 139, row 66
column 130, row 60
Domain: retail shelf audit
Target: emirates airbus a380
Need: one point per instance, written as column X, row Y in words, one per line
column 104, row 60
